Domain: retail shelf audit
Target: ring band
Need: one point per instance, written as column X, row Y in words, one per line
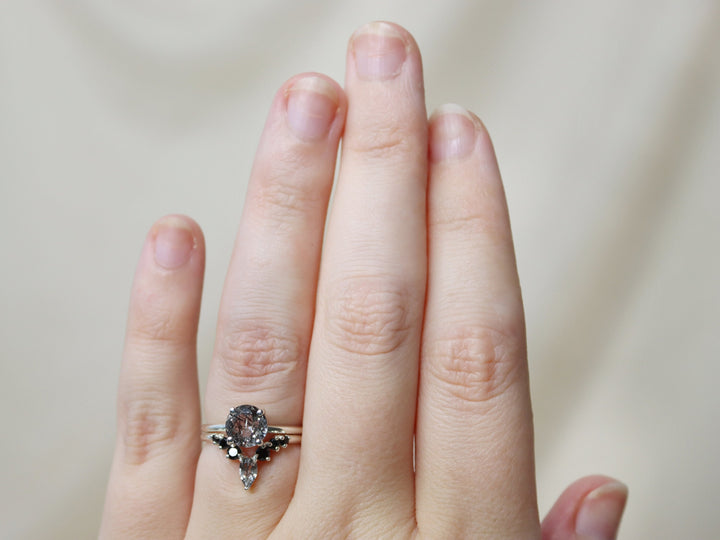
column 247, row 427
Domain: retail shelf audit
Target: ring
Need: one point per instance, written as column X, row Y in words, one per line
column 247, row 427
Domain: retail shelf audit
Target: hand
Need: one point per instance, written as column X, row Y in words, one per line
column 402, row 322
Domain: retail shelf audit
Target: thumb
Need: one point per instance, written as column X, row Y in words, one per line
column 589, row 509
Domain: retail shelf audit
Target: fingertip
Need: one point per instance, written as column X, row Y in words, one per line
column 380, row 29
column 452, row 133
column 167, row 287
column 381, row 54
column 316, row 82
column 456, row 133
column 314, row 103
column 601, row 511
column 175, row 239
column 591, row 507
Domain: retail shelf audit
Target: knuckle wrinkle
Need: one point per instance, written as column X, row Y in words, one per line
column 147, row 427
column 258, row 354
column 476, row 365
column 368, row 317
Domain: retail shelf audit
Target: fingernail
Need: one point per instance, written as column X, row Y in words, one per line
column 379, row 50
column 601, row 511
column 312, row 104
column 452, row 133
column 174, row 242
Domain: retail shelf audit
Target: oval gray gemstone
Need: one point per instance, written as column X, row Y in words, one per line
column 246, row 426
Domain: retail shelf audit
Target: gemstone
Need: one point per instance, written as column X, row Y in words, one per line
column 232, row 453
column 220, row 441
column 248, row 470
column 263, row 453
column 246, row 425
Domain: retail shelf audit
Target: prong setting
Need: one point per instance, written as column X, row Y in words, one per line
column 246, row 427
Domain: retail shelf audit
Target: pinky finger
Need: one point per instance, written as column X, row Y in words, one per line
column 589, row 509
column 152, row 477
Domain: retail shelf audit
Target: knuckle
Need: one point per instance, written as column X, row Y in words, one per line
column 370, row 316
column 284, row 196
column 473, row 223
column 147, row 426
column 259, row 353
column 381, row 142
column 474, row 213
column 154, row 320
column 478, row 364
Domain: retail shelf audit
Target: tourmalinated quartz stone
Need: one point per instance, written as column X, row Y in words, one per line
column 246, row 426
column 248, row 470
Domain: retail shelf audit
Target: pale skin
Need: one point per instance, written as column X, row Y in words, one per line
column 399, row 325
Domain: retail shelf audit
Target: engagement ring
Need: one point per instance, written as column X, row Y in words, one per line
column 246, row 428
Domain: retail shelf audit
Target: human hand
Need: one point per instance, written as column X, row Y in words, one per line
column 395, row 338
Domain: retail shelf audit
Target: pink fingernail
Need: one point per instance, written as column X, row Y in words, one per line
column 174, row 242
column 452, row 133
column 379, row 50
column 311, row 107
column 601, row 511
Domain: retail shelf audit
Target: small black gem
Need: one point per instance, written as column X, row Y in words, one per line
column 279, row 442
column 220, row 441
column 263, row 453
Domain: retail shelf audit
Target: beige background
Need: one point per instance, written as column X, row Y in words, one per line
column 606, row 119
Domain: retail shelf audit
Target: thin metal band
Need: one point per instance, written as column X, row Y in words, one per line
column 294, row 433
column 220, row 428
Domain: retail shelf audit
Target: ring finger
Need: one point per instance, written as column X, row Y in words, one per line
column 473, row 374
column 267, row 308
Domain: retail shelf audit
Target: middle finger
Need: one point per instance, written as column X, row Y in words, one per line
column 362, row 373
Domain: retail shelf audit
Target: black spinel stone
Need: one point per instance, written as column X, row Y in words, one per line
column 263, row 454
column 279, row 442
column 220, row 441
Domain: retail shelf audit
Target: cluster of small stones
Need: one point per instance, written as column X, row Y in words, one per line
column 246, row 426
column 276, row 443
column 262, row 452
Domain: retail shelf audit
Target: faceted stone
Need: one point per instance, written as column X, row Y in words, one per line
column 220, row 441
column 246, row 425
column 263, row 453
column 248, row 470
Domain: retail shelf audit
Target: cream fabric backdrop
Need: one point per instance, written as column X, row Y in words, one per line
column 605, row 116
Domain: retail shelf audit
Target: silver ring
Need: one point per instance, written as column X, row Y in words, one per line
column 247, row 427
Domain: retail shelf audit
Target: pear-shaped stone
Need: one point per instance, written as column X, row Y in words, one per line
column 248, row 470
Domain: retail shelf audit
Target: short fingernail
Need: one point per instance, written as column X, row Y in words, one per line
column 379, row 50
column 452, row 133
column 312, row 104
column 174, row 242
column 601, row 511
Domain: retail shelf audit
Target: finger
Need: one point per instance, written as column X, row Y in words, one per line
column 151, row 482
column 589, row 509
column 475, row 472
column 360, row 406
column 267, row 308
